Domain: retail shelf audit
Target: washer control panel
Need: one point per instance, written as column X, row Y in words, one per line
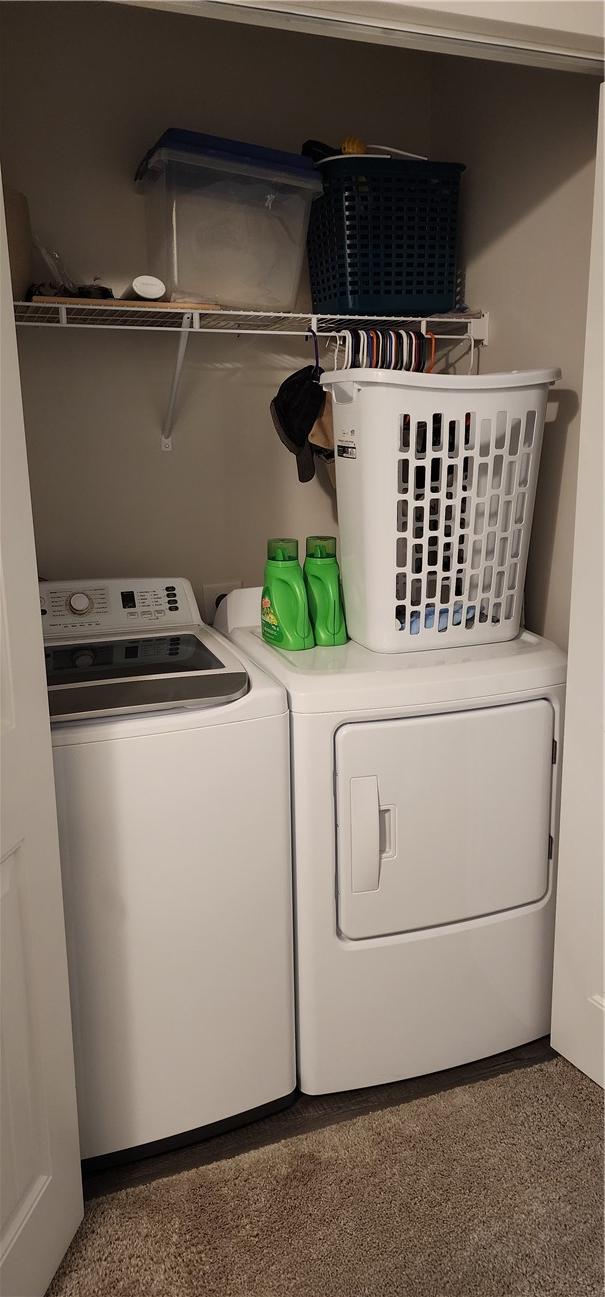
column 114, row 605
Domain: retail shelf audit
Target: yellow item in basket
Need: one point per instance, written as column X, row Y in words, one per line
column 353, row 144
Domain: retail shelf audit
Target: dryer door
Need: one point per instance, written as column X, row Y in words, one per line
column 442, row 818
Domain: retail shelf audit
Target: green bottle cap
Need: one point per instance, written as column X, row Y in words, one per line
column 284, row 550
column 321, row 547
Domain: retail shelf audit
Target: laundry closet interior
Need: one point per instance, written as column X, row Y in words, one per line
column 132, row 477
column 105, row 499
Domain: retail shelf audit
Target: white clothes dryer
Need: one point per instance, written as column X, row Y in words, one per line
column 425, row 809
column 171, row 763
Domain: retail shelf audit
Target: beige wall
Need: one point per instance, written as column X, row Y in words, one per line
column 106, row 499
column 528, row 138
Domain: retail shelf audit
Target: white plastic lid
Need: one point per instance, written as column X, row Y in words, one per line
column 149, row 287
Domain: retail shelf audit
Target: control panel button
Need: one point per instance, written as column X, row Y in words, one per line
column 80, row 603
column 83, row 659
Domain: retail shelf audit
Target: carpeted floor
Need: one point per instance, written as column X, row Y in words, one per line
column 488, row 1190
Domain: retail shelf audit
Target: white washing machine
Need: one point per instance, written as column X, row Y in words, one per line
column 425, row 808
column 172, row 779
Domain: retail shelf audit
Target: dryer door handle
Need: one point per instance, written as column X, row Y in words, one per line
column 365, row 834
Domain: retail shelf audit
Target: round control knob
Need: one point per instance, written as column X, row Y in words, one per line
column 83, row 659
column 80, row 603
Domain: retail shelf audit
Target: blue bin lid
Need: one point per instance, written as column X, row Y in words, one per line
column 214, row 146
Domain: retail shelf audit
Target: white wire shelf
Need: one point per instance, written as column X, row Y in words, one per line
column 186, row 319
column 101, row 314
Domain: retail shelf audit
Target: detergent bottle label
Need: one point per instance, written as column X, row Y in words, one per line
column 272, row 631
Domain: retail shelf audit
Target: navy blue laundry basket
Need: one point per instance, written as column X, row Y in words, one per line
column 383, row 236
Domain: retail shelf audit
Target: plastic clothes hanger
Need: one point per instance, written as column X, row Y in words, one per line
column 395, row 349
column 316, row 351
column 346, row 342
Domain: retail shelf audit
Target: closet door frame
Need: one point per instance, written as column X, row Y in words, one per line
column 578, row 1005
column 416, row 25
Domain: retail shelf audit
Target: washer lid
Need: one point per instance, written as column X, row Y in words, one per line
column 123, row 698
column 94, row 661
column 142, row 673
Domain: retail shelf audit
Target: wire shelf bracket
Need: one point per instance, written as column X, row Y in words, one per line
column 185, row 333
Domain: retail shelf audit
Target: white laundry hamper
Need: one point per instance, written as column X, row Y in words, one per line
column 436, row 480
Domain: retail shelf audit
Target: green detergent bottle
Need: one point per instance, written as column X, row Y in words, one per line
column 284, row 609
column 322, row 579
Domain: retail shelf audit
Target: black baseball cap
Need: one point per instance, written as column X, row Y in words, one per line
column 294, row 410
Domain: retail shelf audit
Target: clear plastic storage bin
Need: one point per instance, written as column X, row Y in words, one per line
column 227, row 222
column 436, row 480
